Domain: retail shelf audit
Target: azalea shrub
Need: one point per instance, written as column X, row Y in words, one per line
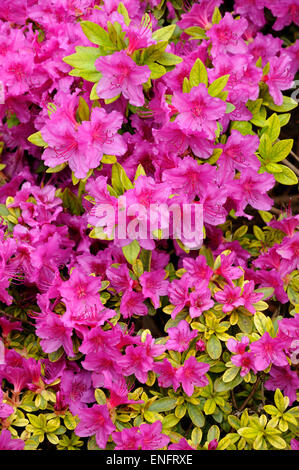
column 125, row 339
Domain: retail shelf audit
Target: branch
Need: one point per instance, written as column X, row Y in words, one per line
column 254, row 388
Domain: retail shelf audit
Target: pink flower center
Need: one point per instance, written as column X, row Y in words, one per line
column 18, row 71
column 81, row 291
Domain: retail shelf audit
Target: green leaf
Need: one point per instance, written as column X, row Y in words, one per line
column 170, row 421
column 279, row 401
column 109, row 159
column 57, row 168
column 214, row 347
column 168, row 59
column 164, row 34
column 216, row 18
column 248, row 433
column 93, row 94
column 234, row 422
column 186, row 85
column 198, row 74
column 83, row 62
column 131, row 251
column 230, row 108
column 214, row 433
column 281, row 150
column 196, row 32
column 220, row 386
column 96, row 34
column 258, row 233
column 209, row 406
column 260, row 322
column 157, row 70
column 83, row 109
column 265, row 147
column 69, row 421
column 288, row 105
column 55, row 356
column 272, row 128
column 37, row 139
column 100, row 396
column 273, row 168
column 286, row 176
column 124, row 12
column 120, row 181
column 196, row 415
column 230, row 374
column 196, row 436
column 164, row 404
column 218, row 85
column 276, row 442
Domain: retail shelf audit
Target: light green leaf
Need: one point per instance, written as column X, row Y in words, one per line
column 218, row 85
column 164, row 34
column 198, row 74
column 37, row 139
column 131, row 251
column 96, row 34
column 164, row 404
column 286, row 176
column 281, row 150
column 214, row 347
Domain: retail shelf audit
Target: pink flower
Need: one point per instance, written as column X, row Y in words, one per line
column 152, row 437
column 226, row 270
column 239, row 153
column 167, row 374
column 136, row 361
column 178, row 295
column 200, row 14
column 246, row 361
column 77, row 389
column 268, row 351
column 286, row 380
column 95, row 420
column 54, row 334
column 226, row 36
column 213, row 444
column 198, row 270
column 285, row 11
column 132, row 303
column 101, row 136
column 294, row 444
column 5, row 409
column 252, row 9
column 250, row 297
column 279, row 77
column 127, row 439
column 7, row 443
column 192, row 374
column 154, row 285
column 230, row 297
column 7, row 326
column 81, row 297
column 180, row 337
column 181, row 445
column 120, row 74
column 198, row 111
column 200, row 301
column 251, row 189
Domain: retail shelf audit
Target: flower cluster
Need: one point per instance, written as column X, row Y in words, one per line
column 123, row 134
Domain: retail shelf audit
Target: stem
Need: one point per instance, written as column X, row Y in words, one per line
column 234, row 400
column 294, row 155
column 254, row 388
column 291, row 166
